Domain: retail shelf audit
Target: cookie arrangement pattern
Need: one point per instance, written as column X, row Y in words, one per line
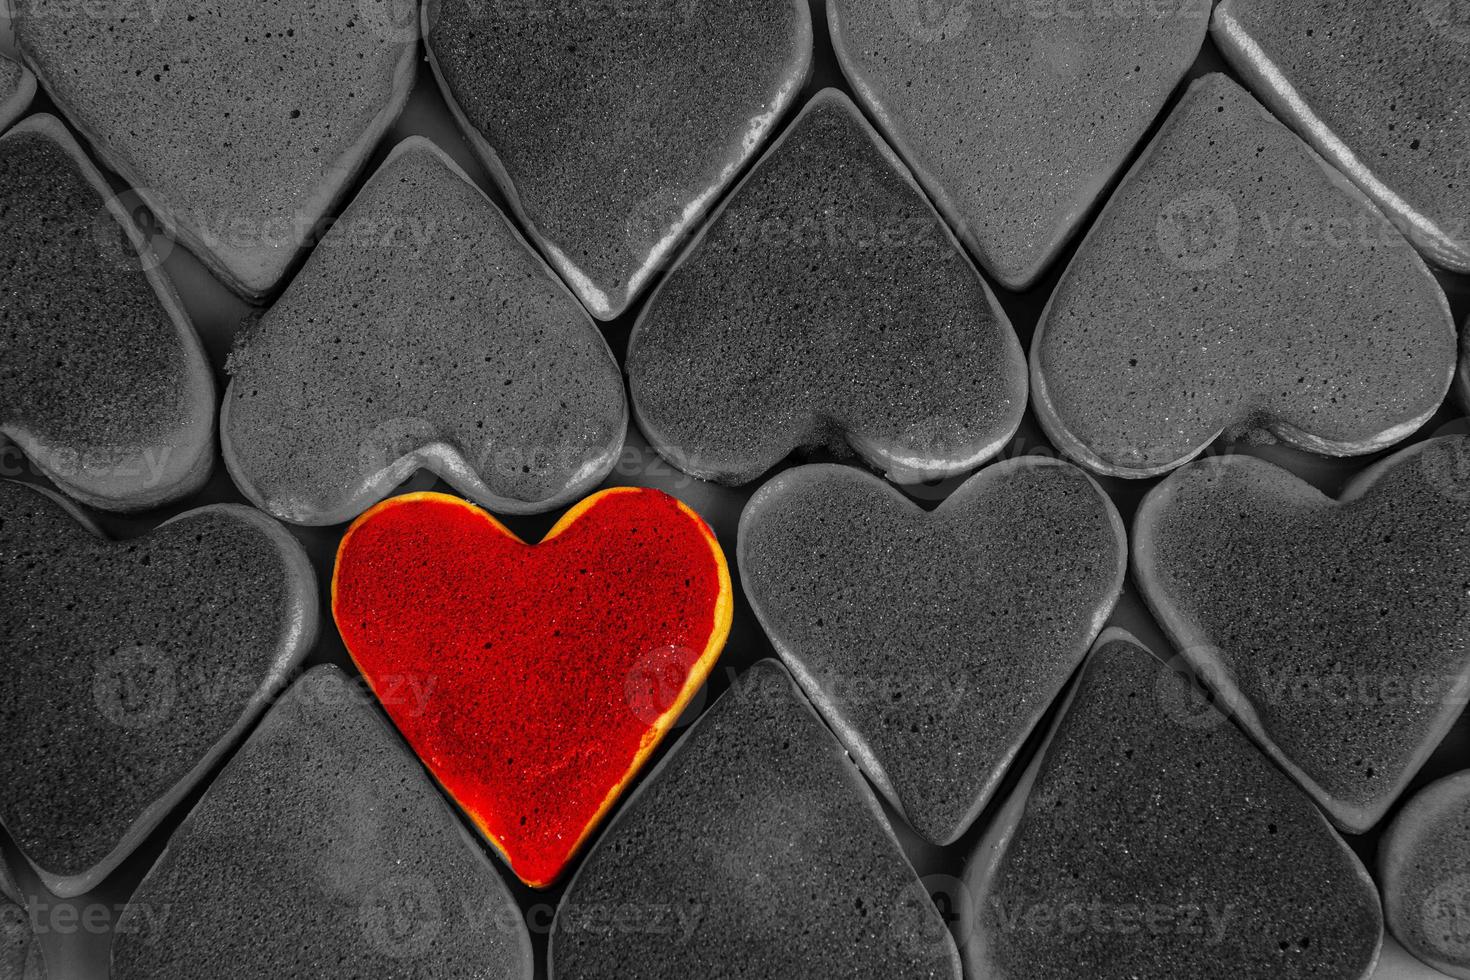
column 916, row 743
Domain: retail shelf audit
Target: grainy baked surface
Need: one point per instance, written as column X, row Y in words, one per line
column 1151, row 847
column 826, row 304
column 1233, row 283
column 423, row 331
column 342, row 860
column 933, row 641
column 753, row 850
column 1016, row 115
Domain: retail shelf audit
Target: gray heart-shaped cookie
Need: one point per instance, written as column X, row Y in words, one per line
column 826, row 303
column 237, row 124
column 753, row 849
column 613, row 127
column 1424, row 864
column 1015, row 114
column 1144, row 841
column 132, row 666
column 422, row 333
column 1380, row 90
column 1338, row 629
column 322, row 850
column 933, row 642
column 103, row 381
column 1235, row 282
column 17, row 88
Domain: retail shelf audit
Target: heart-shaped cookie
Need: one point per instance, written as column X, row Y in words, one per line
column 1236, row 282
column 322, row 850
column 826, row 303
column 1424, row 864
column 131, row 667
column 1015, row 114
column 1380, row 90
column 612, row 127
column 237, row 124
column 1145, row 841
column 548, row 672
column 103, row 382
column 422, row 333
column 1338, row 630
column 17, row 88
column 933, row 642
column 754, row 849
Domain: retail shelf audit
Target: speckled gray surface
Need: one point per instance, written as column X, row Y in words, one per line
column 826, row 304
column 1380, row 89
column 1016, row 115
column 614, row 125
column 103, row 381
column 933, row 641
column 1336, row 627
column 323, row 850
column 1234, row 283
column 1424, row 865
column 423, row 333
column 1151, row 844
column 17, row 86
column 754, row 849
column 240, row 123
column 131, row 667
column 21, row 957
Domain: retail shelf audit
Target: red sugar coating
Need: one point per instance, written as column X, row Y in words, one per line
column 527, row 677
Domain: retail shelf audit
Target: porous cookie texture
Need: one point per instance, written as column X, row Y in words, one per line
column 17, row 88
column 1335, row 628
column 612, row 127
column 132, row 666
column 1015, row 115
column 1380, row 90
column 422, row 333
column 240, row 123
column 1147, row 840
column 21, row 957
column 933, row 642
column 755, row 849
column 322, row 850
column 554, row 670
column 1424, row 865
column 103, row 382
column 1236, row 283
column 826, row 303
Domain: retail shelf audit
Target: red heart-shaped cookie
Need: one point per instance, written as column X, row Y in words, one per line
column 533, row 680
